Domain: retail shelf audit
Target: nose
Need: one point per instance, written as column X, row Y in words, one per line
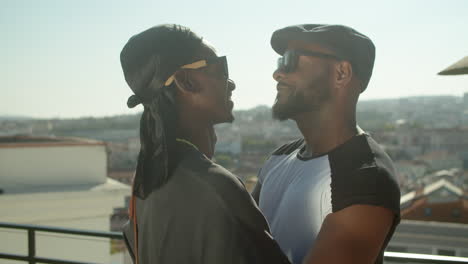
column 231, row 85
column 278, row 75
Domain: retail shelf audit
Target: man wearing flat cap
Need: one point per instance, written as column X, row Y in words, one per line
column 331, row 196
column 185, row 208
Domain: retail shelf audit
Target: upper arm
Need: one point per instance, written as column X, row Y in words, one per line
column 238, row 233
column 365, row 210
column 353, row 235
column 220, row 237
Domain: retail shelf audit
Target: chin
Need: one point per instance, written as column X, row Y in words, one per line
column 227, row 118
column 279, row 112
column 230, row 119
column 287, row 111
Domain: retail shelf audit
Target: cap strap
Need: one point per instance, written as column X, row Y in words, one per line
column 195, row 65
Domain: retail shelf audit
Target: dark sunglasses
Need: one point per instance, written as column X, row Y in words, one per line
column 203, row 63
column 288, row 63
column 221, row 61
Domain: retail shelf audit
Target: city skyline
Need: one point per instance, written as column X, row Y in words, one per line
column 62, row 58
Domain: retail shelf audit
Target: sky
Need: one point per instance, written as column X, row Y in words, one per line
column 60, row 59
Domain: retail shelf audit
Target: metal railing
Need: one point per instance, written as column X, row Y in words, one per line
column 422, row 258
column 31, row 258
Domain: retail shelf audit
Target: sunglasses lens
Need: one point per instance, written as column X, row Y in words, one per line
column 287, row 62
column 280, row 65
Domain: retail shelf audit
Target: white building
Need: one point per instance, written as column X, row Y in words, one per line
column 59, row 182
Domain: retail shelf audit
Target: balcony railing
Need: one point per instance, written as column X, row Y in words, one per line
column 421, row 258
column 31, row 258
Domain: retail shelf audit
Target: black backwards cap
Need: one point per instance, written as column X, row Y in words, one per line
column 345, row 42
column 152, row 56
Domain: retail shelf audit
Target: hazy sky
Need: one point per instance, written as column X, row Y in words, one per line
column 61, row 58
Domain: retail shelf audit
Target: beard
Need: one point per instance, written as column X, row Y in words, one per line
column 294, row 105
column 297, row 102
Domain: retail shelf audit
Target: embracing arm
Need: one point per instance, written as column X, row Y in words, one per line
column 353, row 235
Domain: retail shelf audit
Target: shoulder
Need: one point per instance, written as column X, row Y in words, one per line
column 361, row 153
column 236, row 197
column 362, row 173
column 289, row 147
column 277, row 155
column 210, row 174
column 285, row 150
column 226, row 190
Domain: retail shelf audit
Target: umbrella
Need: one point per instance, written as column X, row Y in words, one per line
column 459, row 67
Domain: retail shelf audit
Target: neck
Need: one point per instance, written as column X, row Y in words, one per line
column 326, row 129
column 202, row 136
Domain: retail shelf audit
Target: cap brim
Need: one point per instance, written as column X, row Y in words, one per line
column 279, row 41
column 281, row 37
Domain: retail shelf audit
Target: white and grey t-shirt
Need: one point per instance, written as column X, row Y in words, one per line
column 298, row 193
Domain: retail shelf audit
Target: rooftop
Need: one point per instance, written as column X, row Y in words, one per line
column 35, row 141
column 108, row 185
column 427, row 190
column 64, row 207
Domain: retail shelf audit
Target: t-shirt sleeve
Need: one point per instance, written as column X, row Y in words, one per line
column 370, row 186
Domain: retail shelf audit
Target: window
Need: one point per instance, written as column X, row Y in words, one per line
column 456, row 213
column 428, row 211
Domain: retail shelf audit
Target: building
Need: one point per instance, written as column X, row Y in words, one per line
column 408, row 142
column 453, row 140
column 440, row 201
column 59, row 182
column 410, row 173
column 123, row 176
column 33, row 164
column 230, row 141
column 434, row 221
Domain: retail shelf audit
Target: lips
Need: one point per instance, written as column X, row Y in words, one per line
column 230, row 104
column 283, row 92
column 282, row 86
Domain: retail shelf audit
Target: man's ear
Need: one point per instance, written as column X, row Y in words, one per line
column 184, row 81
column 344, row 73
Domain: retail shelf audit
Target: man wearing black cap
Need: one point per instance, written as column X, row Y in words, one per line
column 330, row 197
column 185, row 208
